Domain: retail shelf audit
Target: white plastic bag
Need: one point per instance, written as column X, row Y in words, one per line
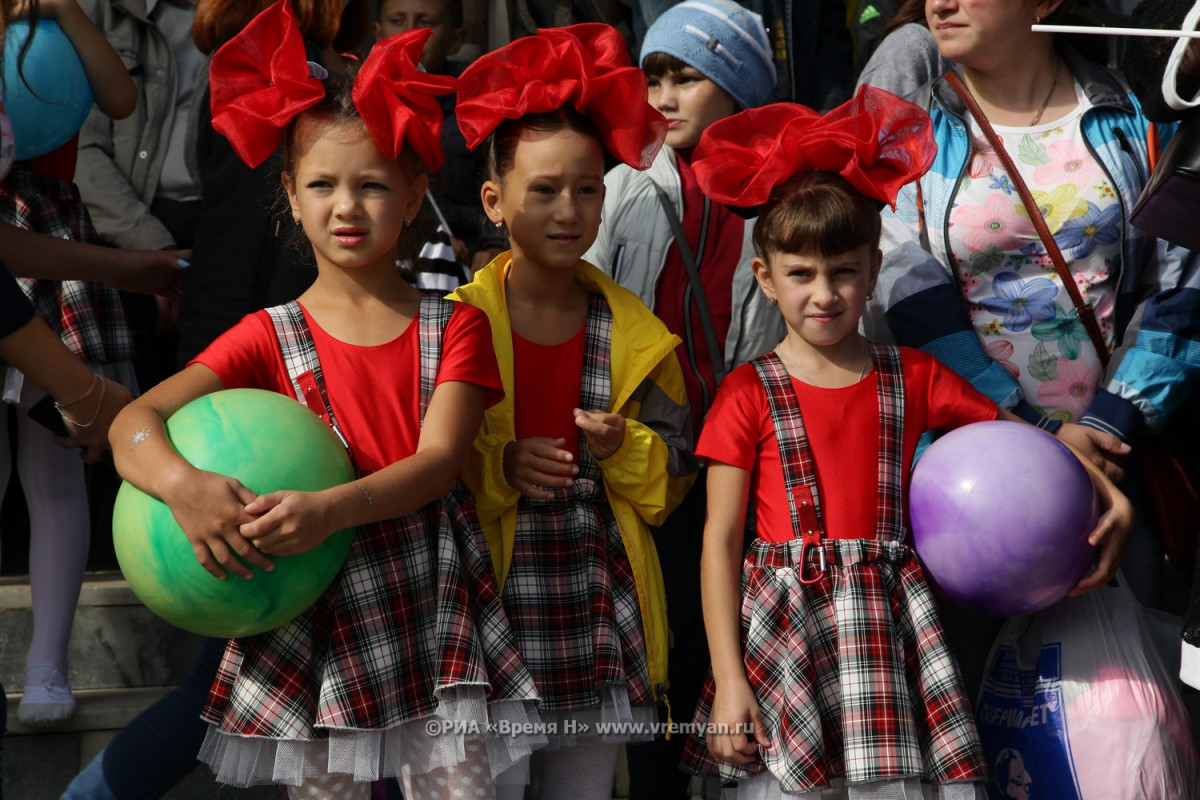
column 1077, row 705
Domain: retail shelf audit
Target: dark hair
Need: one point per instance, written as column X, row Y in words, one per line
column 817, row 212
column 501, row 144
column 33, row 13
column 335, row 108
column 322, row 22
column 655, row 65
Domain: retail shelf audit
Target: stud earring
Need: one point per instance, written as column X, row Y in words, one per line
column 499, row 224
column 773, row 300
column 870, row 295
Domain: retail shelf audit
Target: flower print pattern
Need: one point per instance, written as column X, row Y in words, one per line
column 1021, row 302
column 1057, row 206
column 1008, row 281
column 987, row 225
column 984, row 160
column 1001, row 351
column 1069, row 162
column 1074, row 388
column 1095, row 227
column 1065, row 330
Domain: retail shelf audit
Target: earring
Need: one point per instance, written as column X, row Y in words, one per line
column 499, row 224
column 1037, row 19
column 408, row 222
column 773, row 300
column 870, row 295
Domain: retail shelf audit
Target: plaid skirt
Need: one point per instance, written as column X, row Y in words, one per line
column 407, row 654
column 852, row 674
column 572, row 600
column 88, row 316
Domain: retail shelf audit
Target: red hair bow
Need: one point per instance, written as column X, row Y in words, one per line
column 875, row 140
column 584, row 65
column 260, row 81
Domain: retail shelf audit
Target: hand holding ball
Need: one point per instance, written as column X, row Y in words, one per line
column 1001, row 513
column 269, row 443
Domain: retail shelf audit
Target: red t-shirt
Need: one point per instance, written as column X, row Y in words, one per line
column 552, row 375
column 718, row 259
column 843, row 434
column 374, row 390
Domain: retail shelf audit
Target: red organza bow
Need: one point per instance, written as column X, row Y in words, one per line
column 586, row 66
column 875, row 140
column 260, row 81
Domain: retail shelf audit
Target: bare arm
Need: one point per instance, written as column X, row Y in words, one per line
column 36, row 255
column 734, row 704
column 208, row 507
column 40, row 354
column 111, row 85
column 295, row 522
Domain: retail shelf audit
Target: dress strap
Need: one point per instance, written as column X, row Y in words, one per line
column 889, row 382
column 595, row 389
column 799, row 470
column 302, row 363
column 434, row 316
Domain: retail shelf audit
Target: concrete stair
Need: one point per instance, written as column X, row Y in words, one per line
column 122, row 659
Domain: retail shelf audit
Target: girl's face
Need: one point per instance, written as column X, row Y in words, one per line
column 977, row 33
column 352, row 201
column 551, row 197
column 821, row 297
column 690, row 102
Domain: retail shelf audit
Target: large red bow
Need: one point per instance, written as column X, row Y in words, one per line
column 875, row 140
column 584, row 65
column 398, row 99
column 260, row 81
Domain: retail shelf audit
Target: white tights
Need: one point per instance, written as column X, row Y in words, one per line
column 60, row 529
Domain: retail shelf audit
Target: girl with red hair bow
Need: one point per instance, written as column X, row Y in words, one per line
column 592, row 441
column 401, row 665
column 831, row 676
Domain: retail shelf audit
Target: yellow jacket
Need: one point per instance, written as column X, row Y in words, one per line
column 648, row 475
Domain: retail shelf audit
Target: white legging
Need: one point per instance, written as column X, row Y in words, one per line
column 52, row 478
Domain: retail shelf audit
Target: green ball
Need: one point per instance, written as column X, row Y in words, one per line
column 269, row 442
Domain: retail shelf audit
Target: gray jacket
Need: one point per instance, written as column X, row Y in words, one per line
column 120, row 162
column 632, row 248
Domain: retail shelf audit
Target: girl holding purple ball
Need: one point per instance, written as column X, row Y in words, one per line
column 829, row 664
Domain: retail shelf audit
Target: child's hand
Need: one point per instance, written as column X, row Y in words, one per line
column 736, row 723
column 286, row 523
column 1111, row 535
column 532, row 466
column 1102, row 449
column 604, row 432
column 210, row 508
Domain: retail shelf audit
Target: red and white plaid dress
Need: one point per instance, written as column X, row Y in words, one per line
column 411, row 632
column 87, row 315
column 570, row 591
column 851, row 671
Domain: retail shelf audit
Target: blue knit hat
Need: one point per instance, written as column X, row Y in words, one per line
column 724, row 41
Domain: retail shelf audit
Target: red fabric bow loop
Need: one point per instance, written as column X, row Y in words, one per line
column 584, row 65
column 876, row 141
column 259, row 81
column 398, row 100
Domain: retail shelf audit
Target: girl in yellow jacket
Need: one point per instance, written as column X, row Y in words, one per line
column 592, row 442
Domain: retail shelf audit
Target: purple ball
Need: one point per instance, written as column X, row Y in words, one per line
column 1001, row 513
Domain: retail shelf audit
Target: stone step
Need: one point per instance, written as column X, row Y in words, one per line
column 116, row 642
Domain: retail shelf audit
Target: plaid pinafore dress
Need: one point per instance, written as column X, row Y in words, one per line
column 410, row 632
column 841, row 639
column 570, row 591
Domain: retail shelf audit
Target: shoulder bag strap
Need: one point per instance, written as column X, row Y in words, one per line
column 1087, row 315
column 715, row 351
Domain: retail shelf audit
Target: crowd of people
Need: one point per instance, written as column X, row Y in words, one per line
column 634, row 325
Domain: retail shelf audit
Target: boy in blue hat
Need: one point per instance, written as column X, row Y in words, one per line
column 703, row 60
